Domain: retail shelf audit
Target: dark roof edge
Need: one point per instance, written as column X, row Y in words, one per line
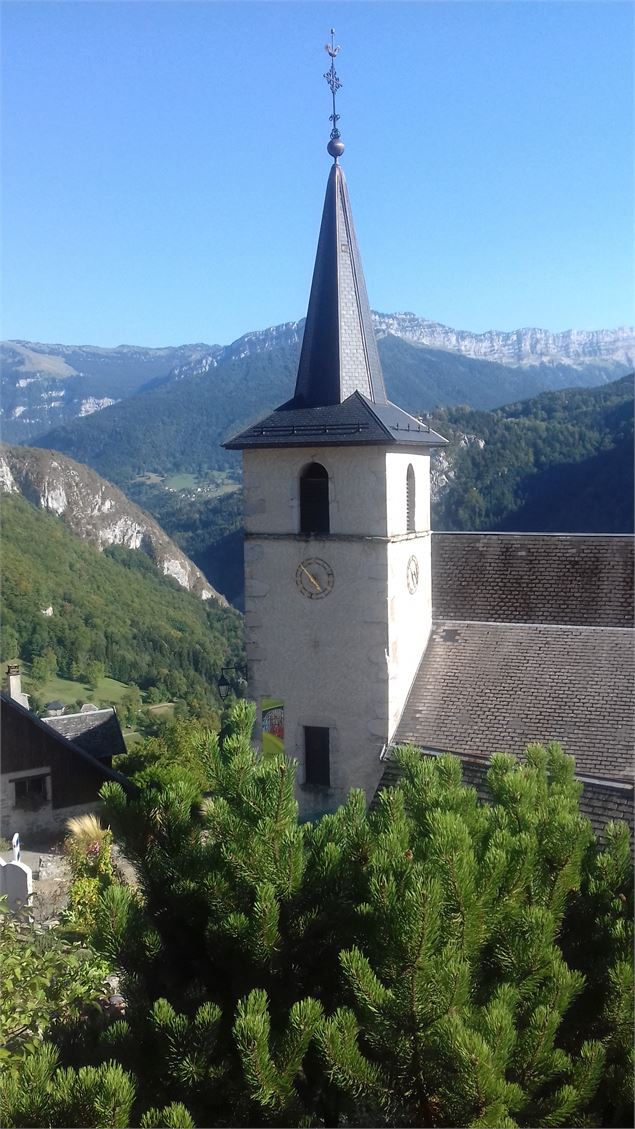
column 526, row 533
column 369, row 405
column 437, row 623
column 303, row 442
column 59, row 739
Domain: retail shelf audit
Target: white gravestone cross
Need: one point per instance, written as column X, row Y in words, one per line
column 16, row 879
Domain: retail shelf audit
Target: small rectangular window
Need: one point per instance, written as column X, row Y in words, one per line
column 30, row 792
column 317, row 769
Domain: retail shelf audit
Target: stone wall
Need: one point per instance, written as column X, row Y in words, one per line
column 41, row 820
column 346, row 660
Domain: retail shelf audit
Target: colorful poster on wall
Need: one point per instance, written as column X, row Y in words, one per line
column 272, row 726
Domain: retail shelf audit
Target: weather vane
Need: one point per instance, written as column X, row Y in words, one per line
column 335, row 146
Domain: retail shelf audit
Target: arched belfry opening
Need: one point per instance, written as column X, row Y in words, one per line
column 410, row 499
column 314, row 499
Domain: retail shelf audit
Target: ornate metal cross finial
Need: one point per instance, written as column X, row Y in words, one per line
column 335, row 146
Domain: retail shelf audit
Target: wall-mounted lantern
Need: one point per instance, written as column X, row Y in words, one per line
column 231, row 677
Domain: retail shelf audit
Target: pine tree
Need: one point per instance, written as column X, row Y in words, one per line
column 435, row 962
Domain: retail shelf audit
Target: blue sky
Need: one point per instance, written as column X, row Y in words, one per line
column 164, row 163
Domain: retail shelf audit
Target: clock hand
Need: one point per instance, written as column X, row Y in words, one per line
column 311, row 578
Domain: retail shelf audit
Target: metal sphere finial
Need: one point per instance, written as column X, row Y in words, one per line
column 335, row 146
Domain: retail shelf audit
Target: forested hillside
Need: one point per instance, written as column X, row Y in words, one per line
column 180, row 425
column 94, row 510
column 112, row 608
column 562, row 462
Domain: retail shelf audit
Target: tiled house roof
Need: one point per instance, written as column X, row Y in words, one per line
column 97, row 732
column 531, row 641
column 30, row 742
column 490, row 687
column 562, row 578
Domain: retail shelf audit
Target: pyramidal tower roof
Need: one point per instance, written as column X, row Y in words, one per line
column 339, row 352
column 340, row 396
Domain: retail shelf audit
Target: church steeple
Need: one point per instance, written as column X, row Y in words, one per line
column 340, row 397
column 336, row 485
column 339, row 352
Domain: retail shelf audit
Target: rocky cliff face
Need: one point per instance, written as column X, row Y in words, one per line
column 96, row 511
column 258, row 341
column 443, row 464
column 46, row 385
column 517, row 347
column 613, row 348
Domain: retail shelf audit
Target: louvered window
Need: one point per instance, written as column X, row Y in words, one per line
column 314, row 499
column 410, row 499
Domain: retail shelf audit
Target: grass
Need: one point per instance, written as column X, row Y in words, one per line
column 271, row 745
column 182, row 481
column 212, row 483
column 65, row 690
column 131, row 737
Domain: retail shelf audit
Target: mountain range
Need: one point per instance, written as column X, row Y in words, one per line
column 46, row 385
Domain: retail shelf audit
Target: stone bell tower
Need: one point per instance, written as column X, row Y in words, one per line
column 337, row 533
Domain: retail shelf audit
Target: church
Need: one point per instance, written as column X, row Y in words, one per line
column 368, row 629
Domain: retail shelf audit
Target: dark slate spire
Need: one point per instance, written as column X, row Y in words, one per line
column 339, row 352
column 339, row 398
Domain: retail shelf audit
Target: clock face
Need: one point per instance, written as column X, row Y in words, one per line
column 314, row 578
column 412, row 575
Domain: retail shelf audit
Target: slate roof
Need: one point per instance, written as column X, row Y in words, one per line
column 488, row 687
column 601, row 800
column 564, row 578
column 339, row 352
column 340, row 397
column 97, row 732
column 355, row 421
